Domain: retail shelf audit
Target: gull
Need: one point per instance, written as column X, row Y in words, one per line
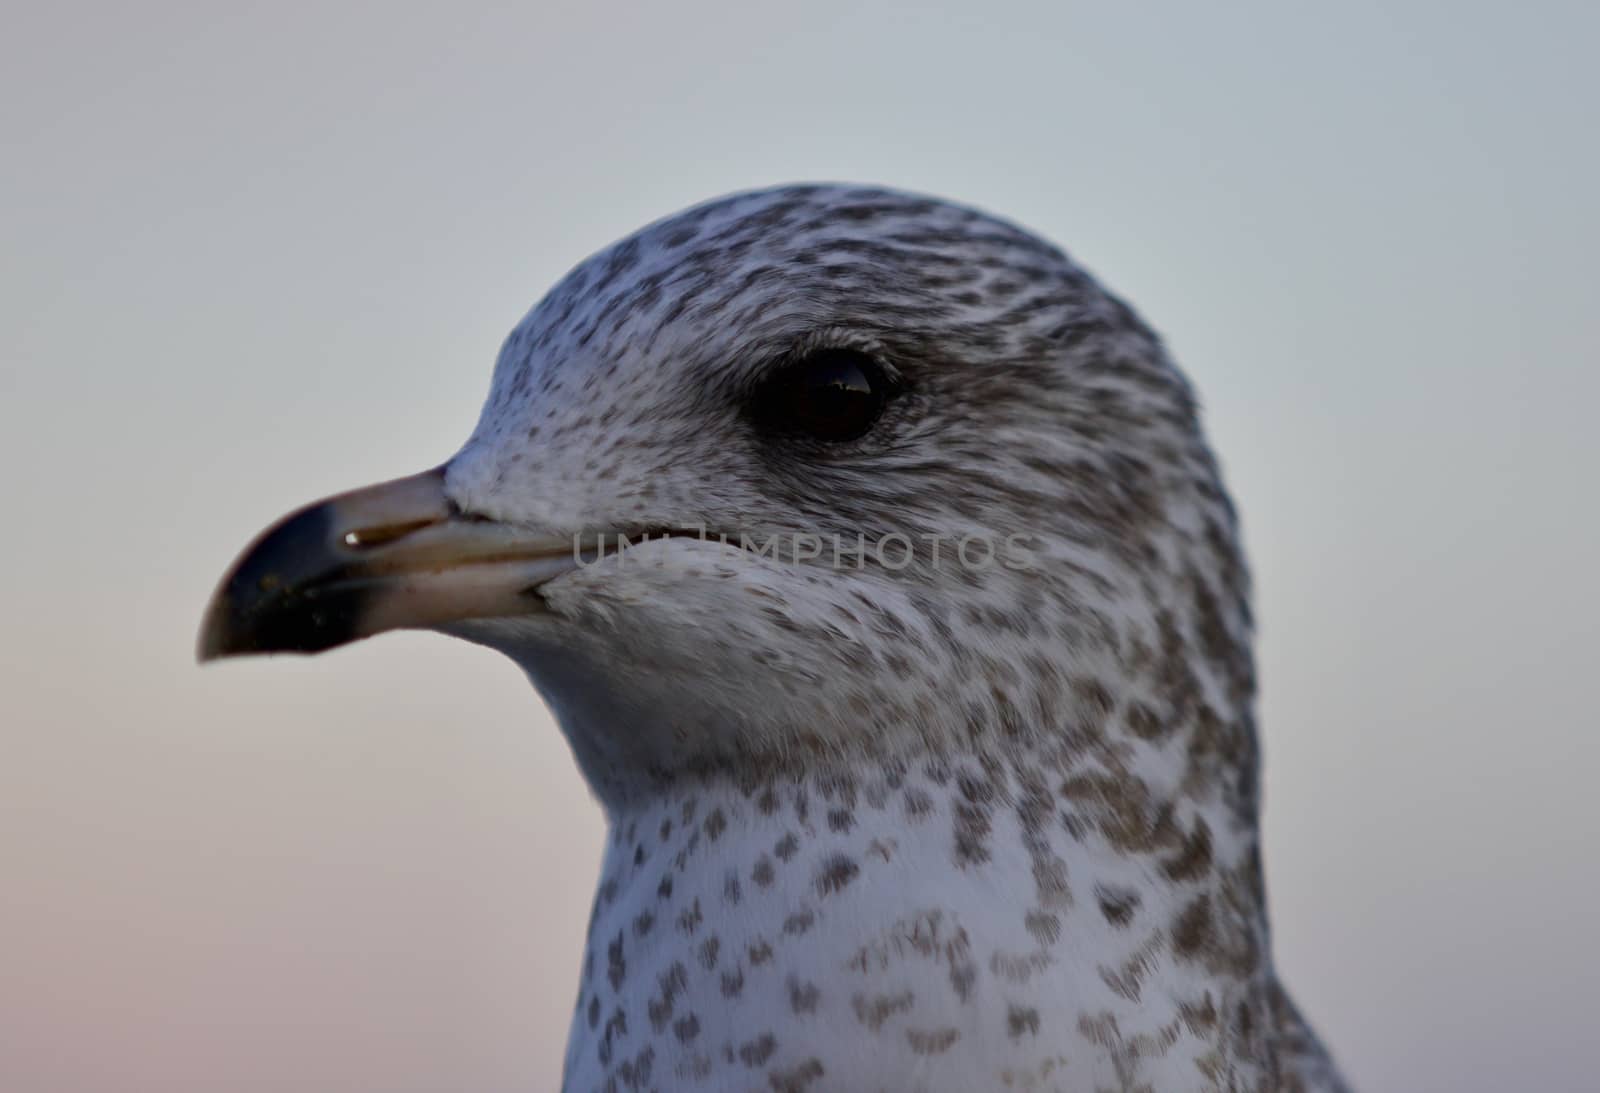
column 876, row 568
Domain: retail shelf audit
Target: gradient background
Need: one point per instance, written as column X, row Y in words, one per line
column 252, row 256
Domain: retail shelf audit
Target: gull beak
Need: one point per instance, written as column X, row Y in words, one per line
column 391, row 556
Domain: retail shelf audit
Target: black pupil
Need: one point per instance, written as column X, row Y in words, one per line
column 833, row 394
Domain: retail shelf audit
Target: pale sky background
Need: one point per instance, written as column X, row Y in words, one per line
column 253, row 254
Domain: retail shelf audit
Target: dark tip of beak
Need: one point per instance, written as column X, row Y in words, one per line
column 308, row 582
column 284, row 594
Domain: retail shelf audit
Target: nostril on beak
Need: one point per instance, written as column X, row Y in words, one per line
column 367, row 538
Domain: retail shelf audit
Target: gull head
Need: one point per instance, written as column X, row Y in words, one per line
column 796, row 475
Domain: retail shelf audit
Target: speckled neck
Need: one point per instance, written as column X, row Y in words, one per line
column 962, row 922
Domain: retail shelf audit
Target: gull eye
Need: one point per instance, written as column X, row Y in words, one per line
column 831, row 395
